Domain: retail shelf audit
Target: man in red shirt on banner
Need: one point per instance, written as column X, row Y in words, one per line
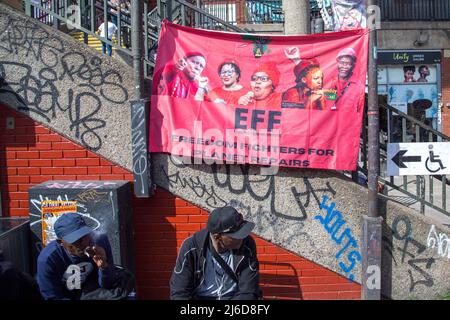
column 348, row 91
column 263, row 82
column 183, row 79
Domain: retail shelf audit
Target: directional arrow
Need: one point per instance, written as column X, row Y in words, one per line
column 399, row 159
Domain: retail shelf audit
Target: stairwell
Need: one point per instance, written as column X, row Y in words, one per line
column 282, row 206
column 92, row 41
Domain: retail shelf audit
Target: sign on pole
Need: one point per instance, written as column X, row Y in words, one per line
column 422, row 158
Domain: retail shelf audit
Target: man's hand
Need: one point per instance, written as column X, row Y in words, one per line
column 98, row 254
column 181, row 64
column 293, row 53
column 202, row 82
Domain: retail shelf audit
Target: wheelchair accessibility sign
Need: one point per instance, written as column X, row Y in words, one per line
column 422, row 158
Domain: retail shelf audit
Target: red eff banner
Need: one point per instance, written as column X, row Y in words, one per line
column 293, row 101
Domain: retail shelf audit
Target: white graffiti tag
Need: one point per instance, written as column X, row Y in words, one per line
column 441, row 242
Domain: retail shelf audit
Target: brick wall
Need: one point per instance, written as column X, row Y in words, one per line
column 31, row 154
column 446, row 95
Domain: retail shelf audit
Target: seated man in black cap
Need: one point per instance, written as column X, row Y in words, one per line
column 219, row 262
column 79, row 264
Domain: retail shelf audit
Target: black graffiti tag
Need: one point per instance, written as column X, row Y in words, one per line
column 411, row 255
column 35, row 88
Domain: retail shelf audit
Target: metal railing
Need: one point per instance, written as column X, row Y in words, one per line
column 244, row 12
column 59, row 13
column 397, row 127
column 419, row 10
column 258, row 12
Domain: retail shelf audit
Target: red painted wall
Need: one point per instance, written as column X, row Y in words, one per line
column 31, row 154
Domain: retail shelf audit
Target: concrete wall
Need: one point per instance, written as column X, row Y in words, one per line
column 84, row 96
column 401, row 35
column 286, row 210
column 66, row 85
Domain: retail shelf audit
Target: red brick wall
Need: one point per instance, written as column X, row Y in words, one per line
column 31, row 154
column 446, row 95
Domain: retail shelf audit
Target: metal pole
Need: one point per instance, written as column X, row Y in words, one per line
column 136, row 45
column 140, row 107
column 371, row 275
column 168, row 13
column 374, row 125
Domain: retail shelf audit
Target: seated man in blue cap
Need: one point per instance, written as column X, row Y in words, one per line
column 79, row 264
column 218, row 262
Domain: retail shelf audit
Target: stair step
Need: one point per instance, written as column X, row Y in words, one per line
column 93, row 42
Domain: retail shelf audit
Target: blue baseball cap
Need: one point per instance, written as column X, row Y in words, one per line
column 71, row 227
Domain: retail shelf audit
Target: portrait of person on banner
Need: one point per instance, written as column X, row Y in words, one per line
column 184, row 78
column 307, row 93
column 348, row 89
column 408, row 73
column 342, row 15
column 424, row 72
column 263, row 83
column 231, row 90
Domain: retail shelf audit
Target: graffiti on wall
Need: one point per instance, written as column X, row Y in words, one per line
column 60, row 83
column 440, row 242
column 412, row 252
column 262, row 189
column 333, row 222
column 141, row 163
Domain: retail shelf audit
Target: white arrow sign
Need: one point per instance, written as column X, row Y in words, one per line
column 422, row 158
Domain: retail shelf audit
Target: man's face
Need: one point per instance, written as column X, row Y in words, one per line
column 345, row 67
column 228, row 75
column 425, row 71
column 261, row 85
column 77, row 248
column 314, row 79
column 195, row 66
column 229, row 243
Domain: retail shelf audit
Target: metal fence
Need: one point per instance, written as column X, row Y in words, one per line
column 244, row 12
column 419, row 10
column 396, row 127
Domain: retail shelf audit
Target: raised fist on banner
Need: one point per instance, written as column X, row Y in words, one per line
column 293, row 53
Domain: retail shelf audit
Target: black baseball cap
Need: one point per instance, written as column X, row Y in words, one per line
column 229, row 221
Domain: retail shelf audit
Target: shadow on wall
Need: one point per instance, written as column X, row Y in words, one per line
column 156, row 241
column 17, row 136
column 279, row 286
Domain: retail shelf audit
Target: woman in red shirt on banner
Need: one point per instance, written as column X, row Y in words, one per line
column 230, row 74
column 263, row 82
column 307, row 93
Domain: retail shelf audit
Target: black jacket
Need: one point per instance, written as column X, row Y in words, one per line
column 189, row 269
